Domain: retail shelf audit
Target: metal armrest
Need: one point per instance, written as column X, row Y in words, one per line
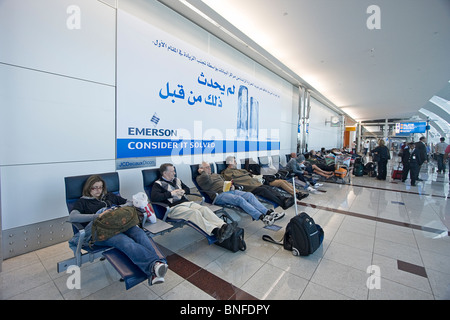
column 79, row 246
column 196, row 195
column 210, row 193
column 82, row 234
column 165, row 206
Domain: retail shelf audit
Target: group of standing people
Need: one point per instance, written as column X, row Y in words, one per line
column 413, row 155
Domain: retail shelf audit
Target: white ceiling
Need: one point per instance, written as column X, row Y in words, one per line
column 369, row 74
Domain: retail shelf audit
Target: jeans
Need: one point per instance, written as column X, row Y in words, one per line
column 244, row 200
column 440, row 162
column 137, row 246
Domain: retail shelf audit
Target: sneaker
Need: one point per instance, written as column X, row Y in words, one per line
column 317, row 185
column 155, row 280
column 225, row 231
column 311, row 190
column 160, row 269
column 277, row 215
column 268, row 219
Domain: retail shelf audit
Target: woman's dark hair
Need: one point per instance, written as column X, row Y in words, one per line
column 90, row 182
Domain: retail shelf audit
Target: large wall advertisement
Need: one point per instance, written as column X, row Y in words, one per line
column 174, row 99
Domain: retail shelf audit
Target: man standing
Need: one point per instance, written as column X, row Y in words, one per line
column 440, row 152
column 421, row 147
column 413, row 160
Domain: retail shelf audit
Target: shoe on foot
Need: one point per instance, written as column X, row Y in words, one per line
column 302, row 195
column 155, row 280
column 225, row 231
column 312, row 190
column 268, row 219
column 277, row 215
column 160, row 269
column 318, row 185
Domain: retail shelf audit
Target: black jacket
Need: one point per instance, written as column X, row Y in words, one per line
column 383, row 153
column 422, row 150
column 159, row 194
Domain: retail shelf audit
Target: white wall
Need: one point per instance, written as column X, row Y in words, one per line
column 57, row 99
column 321, row 134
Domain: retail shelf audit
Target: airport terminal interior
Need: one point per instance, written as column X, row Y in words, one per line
column 117, row 87
column 400, row 229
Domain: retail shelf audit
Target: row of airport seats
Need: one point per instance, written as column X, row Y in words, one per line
column 130, row 274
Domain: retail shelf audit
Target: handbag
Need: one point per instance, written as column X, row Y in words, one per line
column 235, row 242
column 113, row 222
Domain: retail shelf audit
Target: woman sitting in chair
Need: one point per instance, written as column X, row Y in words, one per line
column 134, row 243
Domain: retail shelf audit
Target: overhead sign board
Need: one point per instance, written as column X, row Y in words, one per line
column 410, row 127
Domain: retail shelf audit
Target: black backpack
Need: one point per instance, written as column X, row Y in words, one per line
column 369, row 169
column 303, row 236
column 358, row 169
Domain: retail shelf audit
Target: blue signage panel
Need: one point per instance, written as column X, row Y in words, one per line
column 410, row 127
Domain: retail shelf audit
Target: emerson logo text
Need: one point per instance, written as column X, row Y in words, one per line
column 149, row 132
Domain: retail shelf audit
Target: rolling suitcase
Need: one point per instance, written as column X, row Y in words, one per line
column 397, row 174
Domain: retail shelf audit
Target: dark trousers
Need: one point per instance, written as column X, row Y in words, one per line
column 413, row 169
column 405, row 171
column 382, row 169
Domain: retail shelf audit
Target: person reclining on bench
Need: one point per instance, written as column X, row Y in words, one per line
column 244, row 178
column 171, row 191
column 245, row 200
column 134, row 243
column 296, row 166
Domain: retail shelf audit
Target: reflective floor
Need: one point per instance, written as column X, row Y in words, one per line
column 383, row 240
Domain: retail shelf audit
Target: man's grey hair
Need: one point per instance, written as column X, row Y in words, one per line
column 230, row 160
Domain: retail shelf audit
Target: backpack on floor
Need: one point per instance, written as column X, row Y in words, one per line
column 303, row 236
column 370, row 170
column 235, row 242
column 358, row 169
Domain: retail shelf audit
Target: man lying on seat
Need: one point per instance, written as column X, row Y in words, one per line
column 244, row 179
column 245, row 200
column 296, row 166
column 171, row 191
column 134, row 243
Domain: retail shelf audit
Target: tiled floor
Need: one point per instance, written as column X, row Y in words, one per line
column 401, row 231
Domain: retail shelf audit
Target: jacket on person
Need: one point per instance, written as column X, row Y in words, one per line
column 161, row 191
column 210, row 182
column 422, row 150
column 86, row 208
column 383, row 153
column 294, row 166
column 241, row 177
column 415, row 157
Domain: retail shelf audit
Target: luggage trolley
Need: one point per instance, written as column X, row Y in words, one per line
column 343, row 161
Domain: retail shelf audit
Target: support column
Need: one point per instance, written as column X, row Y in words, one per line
column 1, row 244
